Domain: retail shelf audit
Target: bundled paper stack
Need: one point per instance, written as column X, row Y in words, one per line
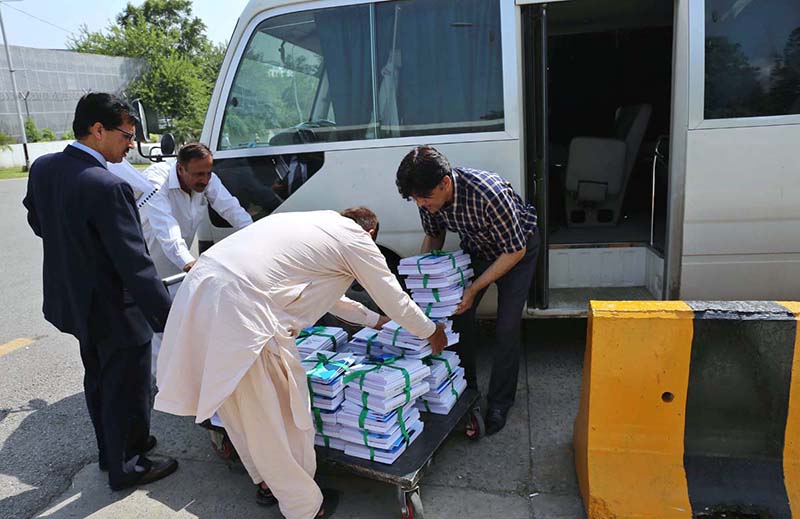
column 325, row 371
column 437, row 280
column 378, row 418
column 398, row 341
column 364, row 343
column 319, row 338
column 446, row 381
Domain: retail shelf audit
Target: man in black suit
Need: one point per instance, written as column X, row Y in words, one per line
column 100, row 284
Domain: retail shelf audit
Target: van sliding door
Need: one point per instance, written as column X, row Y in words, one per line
column 534, row 38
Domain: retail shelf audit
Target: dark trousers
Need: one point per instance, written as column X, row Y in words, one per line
column 512, row 292
column 118, row 395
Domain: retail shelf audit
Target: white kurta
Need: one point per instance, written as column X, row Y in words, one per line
column 171, row 217
column 247, row 298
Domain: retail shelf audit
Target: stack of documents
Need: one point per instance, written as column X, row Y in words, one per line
column 319, row 338
column 379, row 417
column 325, row 371
column 446, row 381
column 398, row 341
column 437, row 280
column 364, row 343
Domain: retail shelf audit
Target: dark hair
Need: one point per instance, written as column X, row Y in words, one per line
column 420, row 171
column 192, row 151
column 363, row 216
column 99, row 107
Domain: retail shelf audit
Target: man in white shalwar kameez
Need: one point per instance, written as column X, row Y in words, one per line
column 229, row 342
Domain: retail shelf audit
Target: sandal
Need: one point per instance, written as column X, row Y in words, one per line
column 330, row 500
column 264, row 496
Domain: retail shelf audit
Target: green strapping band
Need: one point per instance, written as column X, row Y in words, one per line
column 364, row 396
column 370, row 341
column 360, row 374
column 436, row 295
column 428, row 361
column 315, row 330
column 366, row 436
column 321, row 361
column 402, row 424
column 425, row 403
column 407, row 389
column 428, row 309
column 435, row 254
column 310, row 390
column 463, row 282
column 317, row 419
column 425, row 280
column 394, row 336
column 371, row 454
column 326, row 441
column 362, row 416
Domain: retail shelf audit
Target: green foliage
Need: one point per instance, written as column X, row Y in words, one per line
column 48, row 135
column 68, row 135
column 181, row 64
column 31, row 131
column 6, row 141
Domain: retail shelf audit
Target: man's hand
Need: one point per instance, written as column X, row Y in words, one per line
column 188, row 266
column 439, row 339
column 381, row 321
column 467, row 299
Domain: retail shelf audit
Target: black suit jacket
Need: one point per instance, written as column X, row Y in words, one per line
column 100, row 284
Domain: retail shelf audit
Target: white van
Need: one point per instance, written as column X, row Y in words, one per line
column 655, row 137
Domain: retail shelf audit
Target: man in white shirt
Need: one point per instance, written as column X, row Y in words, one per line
column 171, row 217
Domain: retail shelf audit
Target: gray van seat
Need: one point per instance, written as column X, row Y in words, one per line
column 598, row 169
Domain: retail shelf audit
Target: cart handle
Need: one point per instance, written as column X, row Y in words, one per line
column 174, row 280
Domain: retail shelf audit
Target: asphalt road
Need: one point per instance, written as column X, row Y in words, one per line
column 48, row 460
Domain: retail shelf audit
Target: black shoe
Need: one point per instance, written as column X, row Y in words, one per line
column 149, row 445
column 330, row 500
column 264, row 496
column 157, row 470
column 495, row 420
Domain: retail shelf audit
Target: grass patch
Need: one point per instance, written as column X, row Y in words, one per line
column 12, row 173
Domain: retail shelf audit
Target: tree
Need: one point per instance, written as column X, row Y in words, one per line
column 181, row 64
column 31, row 131
column 48, row 135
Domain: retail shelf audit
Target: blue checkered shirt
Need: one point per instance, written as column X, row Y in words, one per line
column 487, row 214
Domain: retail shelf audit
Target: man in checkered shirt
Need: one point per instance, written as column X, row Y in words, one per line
column 498, row 229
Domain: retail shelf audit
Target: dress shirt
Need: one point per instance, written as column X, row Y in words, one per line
column 489, row 216
column 91, row 151
column 172, row 216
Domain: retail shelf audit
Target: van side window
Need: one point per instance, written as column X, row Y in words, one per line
column 412, row 67
column 752, row 58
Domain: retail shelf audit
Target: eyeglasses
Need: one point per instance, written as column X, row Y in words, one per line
column 129, row 135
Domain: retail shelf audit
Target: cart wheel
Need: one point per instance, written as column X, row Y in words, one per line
column 413, row 508
column 475, row 419
column 222, row 445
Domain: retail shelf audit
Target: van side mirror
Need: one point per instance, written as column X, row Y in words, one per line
column 167, row 144
column 149, row 122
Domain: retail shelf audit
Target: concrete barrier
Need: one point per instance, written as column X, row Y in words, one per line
column 690, row 410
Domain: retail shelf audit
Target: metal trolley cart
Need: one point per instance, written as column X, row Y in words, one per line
column 406, row 472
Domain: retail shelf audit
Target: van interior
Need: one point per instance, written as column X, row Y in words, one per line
column 606, row 119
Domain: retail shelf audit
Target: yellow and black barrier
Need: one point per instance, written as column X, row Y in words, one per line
column 690, row 410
